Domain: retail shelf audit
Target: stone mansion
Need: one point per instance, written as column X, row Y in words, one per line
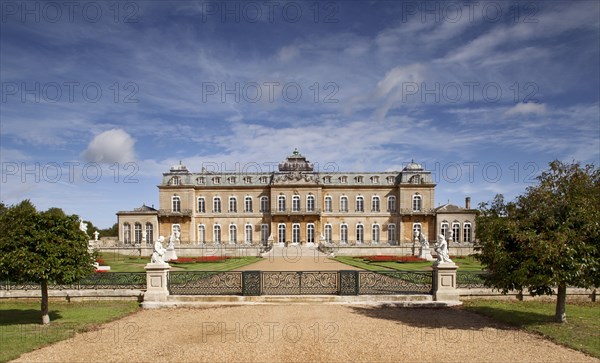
column 297, row 205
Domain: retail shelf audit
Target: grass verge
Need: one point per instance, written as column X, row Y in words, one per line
column 21, row 331
column 122, row 263
column 466, row 263
column 582, row 332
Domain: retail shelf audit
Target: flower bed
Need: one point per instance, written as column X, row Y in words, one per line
column 388, row 258
column 182, row 260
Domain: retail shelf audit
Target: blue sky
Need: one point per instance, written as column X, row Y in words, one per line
column 99, row 98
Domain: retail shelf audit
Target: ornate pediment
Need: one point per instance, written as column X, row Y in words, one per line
column 296, row 177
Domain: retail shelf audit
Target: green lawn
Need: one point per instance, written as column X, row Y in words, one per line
column 466, row 263
column 122, row 263
column 582, row 332
column 22, row 332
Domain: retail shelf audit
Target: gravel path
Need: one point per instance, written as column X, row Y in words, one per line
column 305, row 333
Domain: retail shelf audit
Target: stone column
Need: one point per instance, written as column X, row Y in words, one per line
column 444, row 281
column 157, row 275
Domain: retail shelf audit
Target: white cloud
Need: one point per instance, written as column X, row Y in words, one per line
column 526, row 109
column 111, row 146
column 288, row 53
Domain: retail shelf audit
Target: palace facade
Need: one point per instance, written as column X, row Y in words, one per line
column 297, row 205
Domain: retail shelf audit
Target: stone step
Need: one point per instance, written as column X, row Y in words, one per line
column 419, row 300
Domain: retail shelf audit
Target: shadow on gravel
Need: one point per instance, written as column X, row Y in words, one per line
column 449, row 318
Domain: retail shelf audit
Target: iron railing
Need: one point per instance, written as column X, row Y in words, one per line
column 97, row 281
column 254, row 283
column 470, row 279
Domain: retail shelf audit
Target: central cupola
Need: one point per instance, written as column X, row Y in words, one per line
column 295, row 162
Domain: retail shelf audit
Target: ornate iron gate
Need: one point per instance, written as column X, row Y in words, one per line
column 255, row 283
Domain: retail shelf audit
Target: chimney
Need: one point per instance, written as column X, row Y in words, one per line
column 468, row 202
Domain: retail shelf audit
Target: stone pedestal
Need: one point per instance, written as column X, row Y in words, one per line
column 156, row 282
column 170, row 254
column 425, row 253
column 444, row 282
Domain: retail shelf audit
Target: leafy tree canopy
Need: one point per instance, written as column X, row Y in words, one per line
column 42, row 246
column 547, row 238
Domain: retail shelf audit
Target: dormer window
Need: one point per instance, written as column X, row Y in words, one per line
column 247, row 179
column 175, row 180
column 231, row 180
column 415, row 179
column 216, row 180
column 200, row 180
column 326, row 179
column 263, row 179
column 358, row 179
column 343, row 179
column 375, row 179
column 390, row 180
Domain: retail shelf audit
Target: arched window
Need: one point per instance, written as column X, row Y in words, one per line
column 360, row 233
column 217, row 233
column 310, row 233
column 126, row 233
column 416, row 203
column 467, row 232
column 201, row 205
column 328, row 233
column 217, row 205
column 175, row 180
column 344, row 233
column 328, row 206
column 248, row 234
column 455, row 232
column 201, row 233
column 248, row 204
column 391, row 204
column 232, row 234
column 281, row 232
column 444, row 229
column 149, row 233
column 296, row 203
column 375, row 204
column 416, row 229
column 281, row 203
column 176, row 204
column 343, row 204
column 137, row 232
column 360, row 204
column 375, row 232
column 176, row 229
column 232, row 204
column 264, row 204
column 310, row 203
column 264, row 233
column 391, row 233
column 296, row 233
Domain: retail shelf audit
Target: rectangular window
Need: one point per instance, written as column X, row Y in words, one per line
column 216, row 205
column 264, row 204
column 264, row 233
column 328, row 207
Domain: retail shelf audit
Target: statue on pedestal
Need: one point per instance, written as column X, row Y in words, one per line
column 159, row 251
column 441, row 247
column 96, row 234
column 424, row 250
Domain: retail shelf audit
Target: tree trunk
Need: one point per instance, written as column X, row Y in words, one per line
column 45, row 315
column 561, row 301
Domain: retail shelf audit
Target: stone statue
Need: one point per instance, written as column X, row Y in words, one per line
column 423, row 241
column 83, row 226
column 96, row 234
column 441, row 247
column 159, row 251
column 171, row 241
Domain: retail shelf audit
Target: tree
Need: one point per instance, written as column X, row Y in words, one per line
column 110, row 232
column 42, row 247
column 548, row 238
